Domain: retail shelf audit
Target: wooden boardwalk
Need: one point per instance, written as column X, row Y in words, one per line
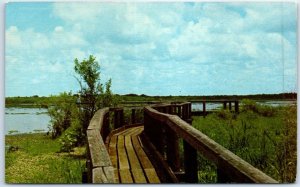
column 130, row 162
column 118, row 154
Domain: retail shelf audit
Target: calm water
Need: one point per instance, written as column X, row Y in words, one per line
column 214, row 106
column 25, row 120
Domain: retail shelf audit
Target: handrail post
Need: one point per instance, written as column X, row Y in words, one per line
column 236, row 106
column 204, row 108
column 118, row 118
column 221, row 176
column 190, row 110
column 190, row 163
column 105, row 129
column 122, row 117
column 133, row 116
column 230, row 107
column 224, row 105
column 179, row 111
column 173, row 157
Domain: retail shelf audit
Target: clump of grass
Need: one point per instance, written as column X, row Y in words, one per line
column 37, row 161
column 263, row 110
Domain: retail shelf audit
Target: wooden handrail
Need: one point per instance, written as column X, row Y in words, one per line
column 99, row 165
column 230, row 166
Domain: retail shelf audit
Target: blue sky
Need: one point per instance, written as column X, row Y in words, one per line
column 153, row 48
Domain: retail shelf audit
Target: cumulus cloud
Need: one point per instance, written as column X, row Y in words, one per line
column 186, row 48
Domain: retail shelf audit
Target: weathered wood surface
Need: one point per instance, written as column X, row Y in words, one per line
column 131, row 163
column 230, row 164
column 97, row 120
column 163, row 169
column 100, row 168
column 98, row 152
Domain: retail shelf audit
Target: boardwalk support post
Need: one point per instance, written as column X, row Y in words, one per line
column 190, row 163
column 221, row 176
column 173, row 157
column 204, row 108
column 133, row 116
column 118, row 117
column 236, row 106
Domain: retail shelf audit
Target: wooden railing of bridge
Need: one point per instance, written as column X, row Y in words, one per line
column 165, row 124
column 99, row 166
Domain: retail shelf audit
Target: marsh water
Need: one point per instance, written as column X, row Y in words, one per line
column 31, row 120
column 25, row 120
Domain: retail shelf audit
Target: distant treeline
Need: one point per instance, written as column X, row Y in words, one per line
column 44, row 102
column 143, row 97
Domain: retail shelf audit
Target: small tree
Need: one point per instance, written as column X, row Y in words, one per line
column 70, row 121
column 92, row 94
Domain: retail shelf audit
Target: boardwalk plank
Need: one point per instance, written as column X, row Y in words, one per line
column 152, row 176
column 116, row 172
column 138, row 176
column 125, row 176
column 122, row 155
column 112, row 150
column 145, row 162
column 135, row 166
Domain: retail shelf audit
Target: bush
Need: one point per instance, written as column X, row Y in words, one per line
column 266, row 111
column 224, row 114
column 263, row 110
column 248, row 104
column 60, row 114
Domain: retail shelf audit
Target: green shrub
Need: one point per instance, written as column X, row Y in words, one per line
column 263, row 110
column 248, row 104
column 267, row 111
column 73, row 136
column 60, row 114
column 68, row 140
column 224, row 114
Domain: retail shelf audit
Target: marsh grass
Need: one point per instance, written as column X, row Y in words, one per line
column 37, row 161
column 264, row 137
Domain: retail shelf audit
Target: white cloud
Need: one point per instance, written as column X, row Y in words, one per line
column 59, row 29
column 12, row 37
column 184, row 47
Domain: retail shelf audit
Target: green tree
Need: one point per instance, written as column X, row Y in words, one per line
column 92, row 94
column 70, row 121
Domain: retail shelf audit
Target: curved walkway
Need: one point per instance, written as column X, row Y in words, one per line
column 131, row 163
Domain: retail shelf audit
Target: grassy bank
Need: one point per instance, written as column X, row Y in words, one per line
column 34, row 158
column 263, row 136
